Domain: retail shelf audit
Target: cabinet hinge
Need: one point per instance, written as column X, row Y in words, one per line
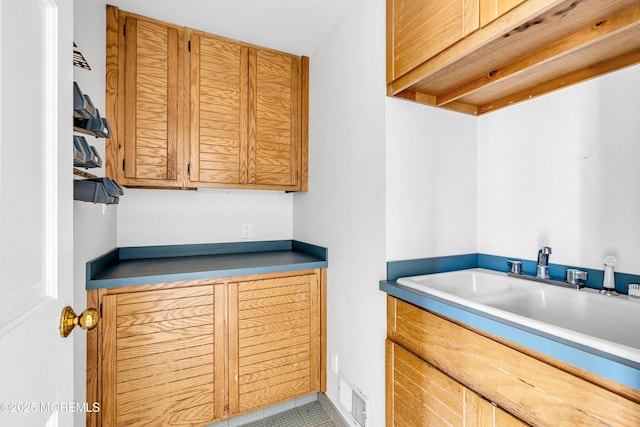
column 100, row 310
column 189, row 45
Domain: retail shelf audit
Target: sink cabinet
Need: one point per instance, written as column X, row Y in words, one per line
column 476, row 56
column 427, row 353
column 194, row 110
column 194, row 353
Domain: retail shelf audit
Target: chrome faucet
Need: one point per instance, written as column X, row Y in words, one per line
column 543, row 262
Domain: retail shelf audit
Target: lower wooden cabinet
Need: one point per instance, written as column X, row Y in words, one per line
column 196, row 353
column 435, row 367
column 418, row 394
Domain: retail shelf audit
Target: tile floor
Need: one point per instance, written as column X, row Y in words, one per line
column 310, row 415
column 315, row 410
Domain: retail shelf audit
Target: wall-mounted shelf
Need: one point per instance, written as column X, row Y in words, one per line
column 97, row 190
column 85, row 155
column 84, row 174
column 78, row 58
column 87, row 120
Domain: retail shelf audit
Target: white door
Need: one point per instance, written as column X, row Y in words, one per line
column 36, row 211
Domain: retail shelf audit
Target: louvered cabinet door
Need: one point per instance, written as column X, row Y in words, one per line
column 419, row 394
column 275, row 119
column 218, row 112
column 274, row 341
column 163, row 357
column 153, row 86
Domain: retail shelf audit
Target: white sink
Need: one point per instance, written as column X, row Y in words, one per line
column 585, row 317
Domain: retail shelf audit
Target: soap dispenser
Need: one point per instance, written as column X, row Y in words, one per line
column 609, row 282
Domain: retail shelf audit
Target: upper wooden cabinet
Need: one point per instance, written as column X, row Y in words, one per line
column 476, row 56
column 197, row 110
column 420, row 29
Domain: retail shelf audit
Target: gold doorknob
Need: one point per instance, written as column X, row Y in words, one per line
column 87, row 320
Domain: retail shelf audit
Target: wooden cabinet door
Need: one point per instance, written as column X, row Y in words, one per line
column 163, row 357
column 420, row 394
column 274, row 118
column 218, row 111
column 417, row 30
column 493, row 9
column 152, row 73
column 274, row 341
column 245, row 114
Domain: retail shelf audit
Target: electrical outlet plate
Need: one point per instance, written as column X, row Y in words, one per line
column 334, row 363
column 246, row 231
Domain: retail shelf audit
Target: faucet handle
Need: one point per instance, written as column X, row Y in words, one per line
column 576, row 277
column 546, row 250
column 515, row 266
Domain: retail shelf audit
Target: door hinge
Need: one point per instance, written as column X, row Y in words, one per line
column 189, row 45
column 101, row 310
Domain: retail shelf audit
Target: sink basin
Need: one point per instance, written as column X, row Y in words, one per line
column 583, row 317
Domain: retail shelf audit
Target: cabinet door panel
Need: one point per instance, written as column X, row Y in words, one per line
column 420, row 29
column 274, row 150
column 218, row 113
column 274, row 341
column 159, row 357
column 493, row 9
column 418, row 392
column 505, row 419
column 152, row 77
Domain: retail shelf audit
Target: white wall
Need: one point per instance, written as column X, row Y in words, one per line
column 431, row 169
column 344, row 209
column 562, row 170
column 167, row 217
column 94, row 226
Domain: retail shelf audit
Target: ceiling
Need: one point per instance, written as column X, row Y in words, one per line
column 294, row 26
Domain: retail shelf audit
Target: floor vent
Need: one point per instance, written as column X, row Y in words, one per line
column 354, row 401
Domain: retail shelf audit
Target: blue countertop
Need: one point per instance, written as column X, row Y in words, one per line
column 143, row 265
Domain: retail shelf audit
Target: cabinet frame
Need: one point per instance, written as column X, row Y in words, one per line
column 101, row 375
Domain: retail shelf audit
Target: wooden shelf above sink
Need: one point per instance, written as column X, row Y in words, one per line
column 535, row 48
